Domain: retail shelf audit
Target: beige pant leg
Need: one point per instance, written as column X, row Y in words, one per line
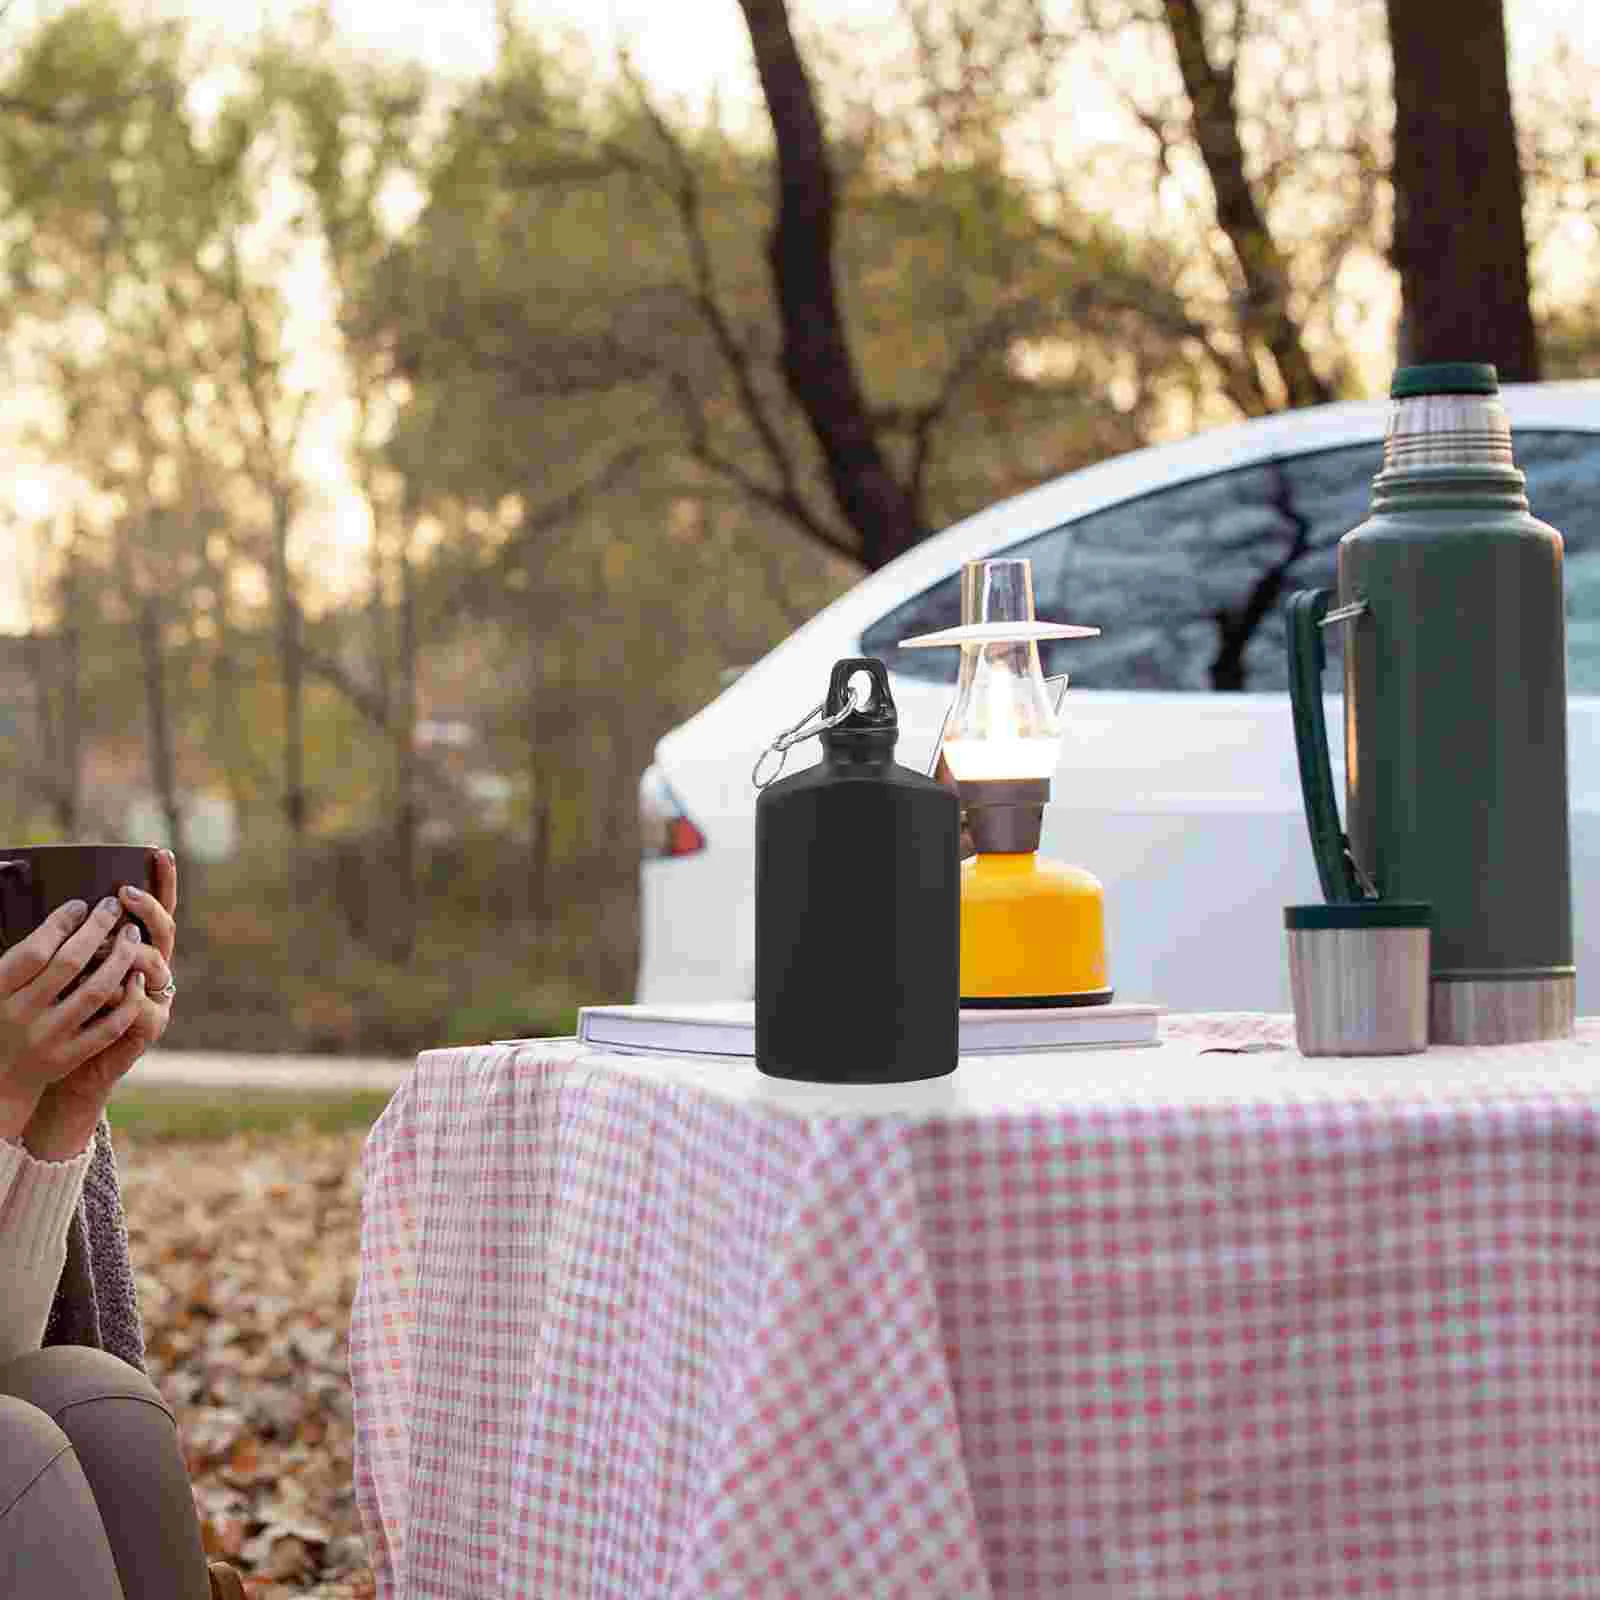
column 52, row 1542
column 126, row 1440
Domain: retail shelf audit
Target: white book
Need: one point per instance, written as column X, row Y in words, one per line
column 729, row 1028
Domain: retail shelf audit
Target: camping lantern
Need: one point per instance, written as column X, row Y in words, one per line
column 1032, row 929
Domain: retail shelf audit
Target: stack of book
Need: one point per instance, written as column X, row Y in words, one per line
column 729, row 1029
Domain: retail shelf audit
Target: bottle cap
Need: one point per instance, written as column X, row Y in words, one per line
column 874, row 723
column 1445, row 377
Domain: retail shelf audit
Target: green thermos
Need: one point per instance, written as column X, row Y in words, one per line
column 1455, row 686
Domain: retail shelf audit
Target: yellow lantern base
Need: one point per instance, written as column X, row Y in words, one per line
column 1032, row 932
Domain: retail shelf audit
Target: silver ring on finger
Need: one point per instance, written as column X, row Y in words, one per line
column 166, row 991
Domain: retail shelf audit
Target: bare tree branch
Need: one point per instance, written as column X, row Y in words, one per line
column 598, row 364
column 1165, row 312
column 1237, row 625
column 369, row 704
column 1358, row 227
column 83, row 114
column 817, row 361
column 686, row 196
column 995, row 332
column 1215, row 121
column 791, row 507
column 470, row 589
column 1241, row 26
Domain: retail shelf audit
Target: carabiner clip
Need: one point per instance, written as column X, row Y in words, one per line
column 800, row 732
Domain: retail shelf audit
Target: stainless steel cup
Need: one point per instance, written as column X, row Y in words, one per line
column 1358, row 972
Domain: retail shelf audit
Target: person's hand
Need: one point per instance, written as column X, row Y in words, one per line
column 45, row 1032
column 69, row 1109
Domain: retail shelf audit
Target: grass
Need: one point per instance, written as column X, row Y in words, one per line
column 201, row 1115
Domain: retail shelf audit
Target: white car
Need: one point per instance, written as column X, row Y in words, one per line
column 1185, row 803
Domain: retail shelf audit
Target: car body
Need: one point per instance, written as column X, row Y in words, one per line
column 1185, row 803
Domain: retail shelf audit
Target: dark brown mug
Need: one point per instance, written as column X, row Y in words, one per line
column 35, row 880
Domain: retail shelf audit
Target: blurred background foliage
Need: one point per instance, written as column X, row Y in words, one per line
column 396, row 457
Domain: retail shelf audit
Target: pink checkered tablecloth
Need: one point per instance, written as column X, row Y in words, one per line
column 1149, row 1323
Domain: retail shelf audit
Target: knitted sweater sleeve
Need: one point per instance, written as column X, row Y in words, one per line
column 37, row 1202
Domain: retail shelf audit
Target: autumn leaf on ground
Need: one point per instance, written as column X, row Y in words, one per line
column 246, row 1255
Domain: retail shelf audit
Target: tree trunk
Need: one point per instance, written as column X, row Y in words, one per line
column 56, row 761
column 539, row 853
column 158, row 722
column 405, row 734
column 225, row 708
column 538, row 877
column 69, row 758
column 816, row 356
column 378, row 615
column 55, row 667
column 1460, row 244
column 291, row 669
column 1214, row 119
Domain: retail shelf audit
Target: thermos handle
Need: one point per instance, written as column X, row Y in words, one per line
column 16, row 904
column 1307, row 658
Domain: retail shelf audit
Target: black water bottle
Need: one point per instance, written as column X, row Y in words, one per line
column 858, row 907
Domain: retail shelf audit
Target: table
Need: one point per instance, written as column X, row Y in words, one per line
column 1151, row 1323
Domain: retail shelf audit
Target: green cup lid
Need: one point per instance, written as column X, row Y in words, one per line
column 1445, row 377
column 1360, row 914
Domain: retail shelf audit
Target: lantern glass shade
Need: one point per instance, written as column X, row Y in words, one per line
column 1003, row 724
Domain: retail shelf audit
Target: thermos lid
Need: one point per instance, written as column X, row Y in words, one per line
column 1445, row 377
column 1360, row 914
column 1447, row 416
